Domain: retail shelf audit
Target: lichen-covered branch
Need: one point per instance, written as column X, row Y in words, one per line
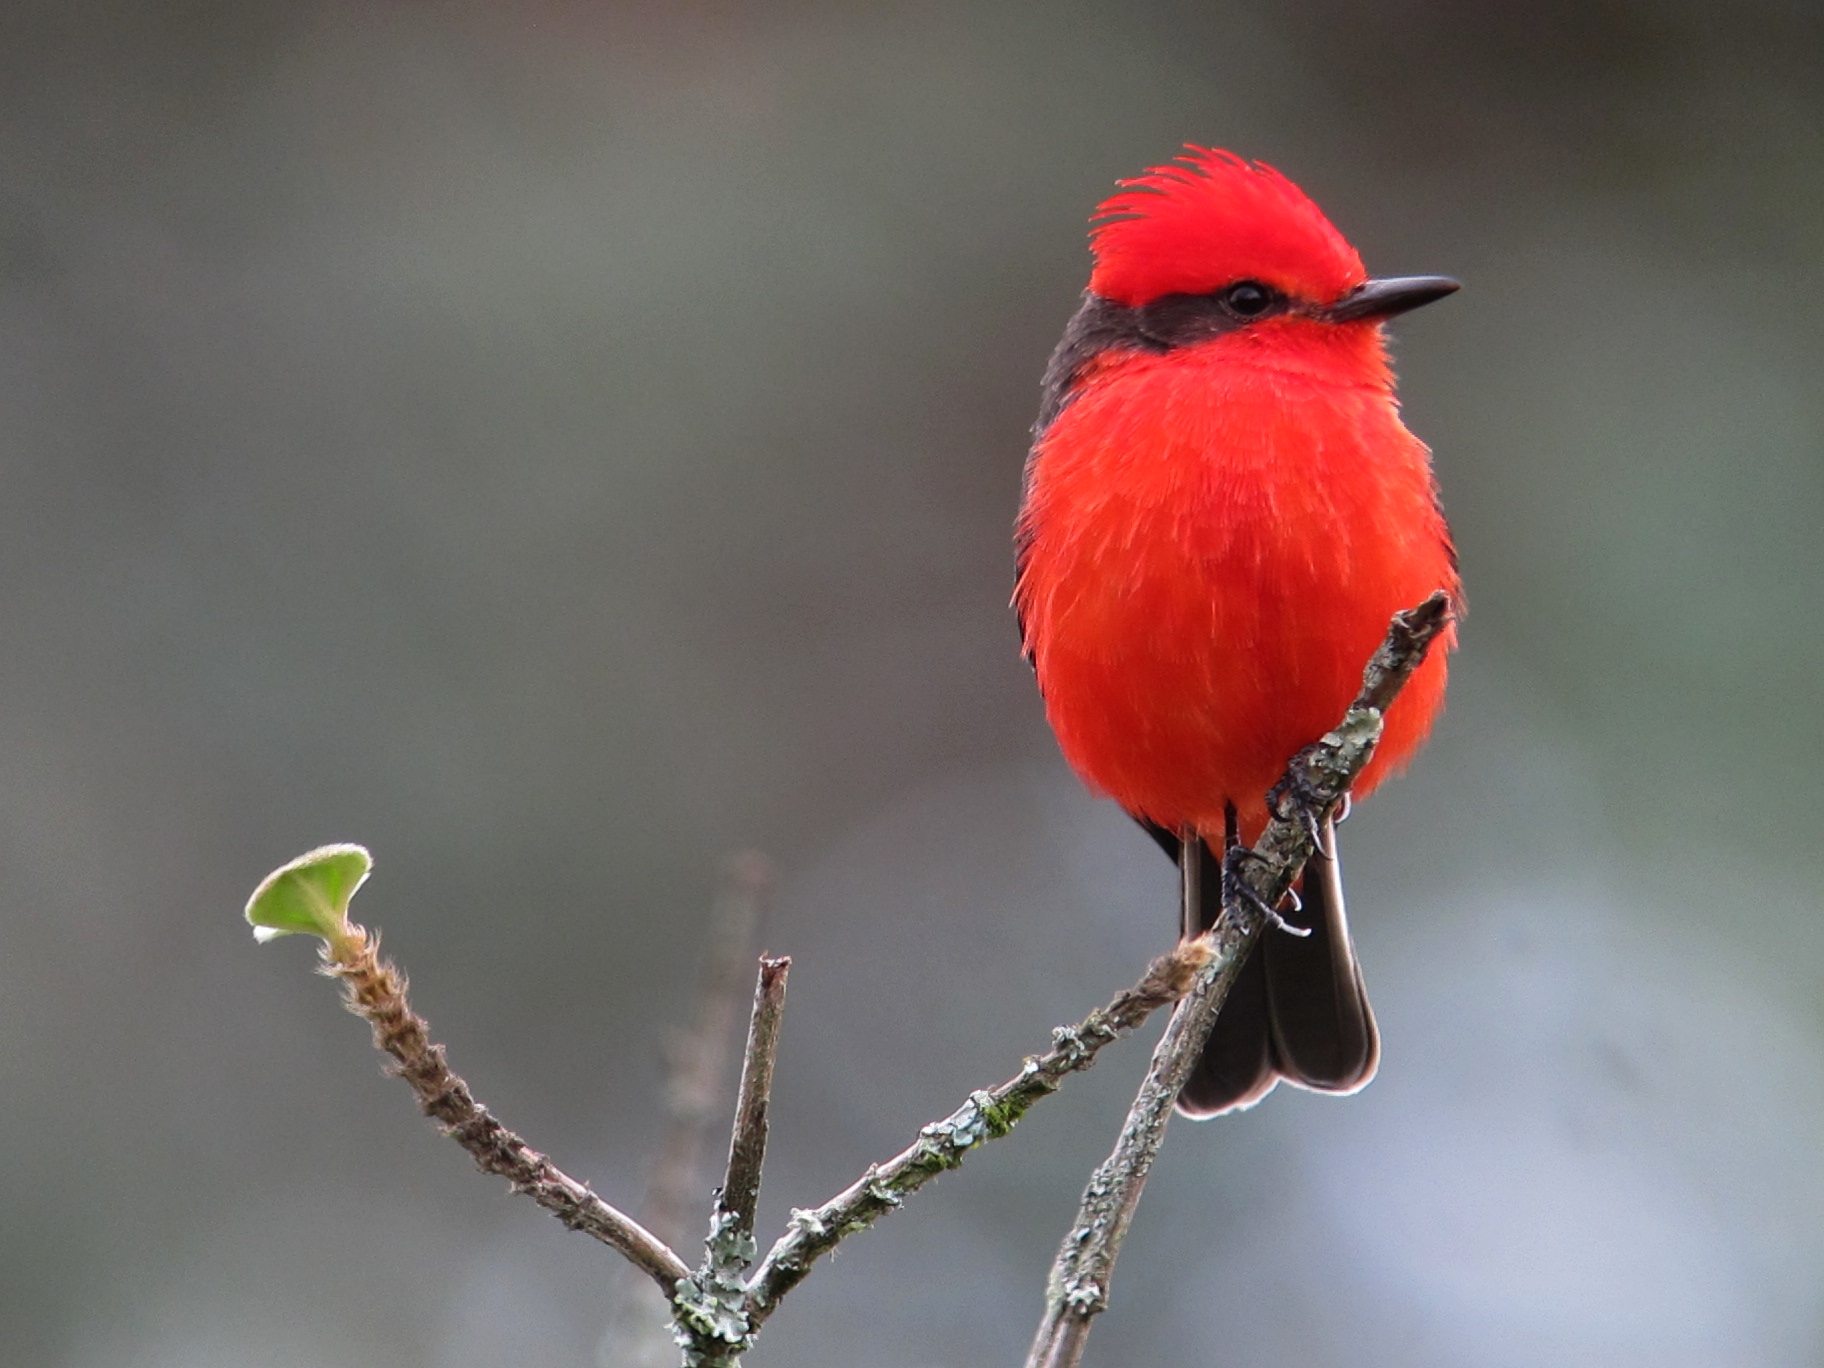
column 1078, row 1287
column 374, row 990
column 1315, row 782
column 987, row 1115
column 709, row 1310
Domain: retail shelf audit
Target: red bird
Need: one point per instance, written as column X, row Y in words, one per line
column 1222, row 512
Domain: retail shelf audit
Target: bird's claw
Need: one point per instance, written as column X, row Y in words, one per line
column 1295, row 799
column 1234, row 885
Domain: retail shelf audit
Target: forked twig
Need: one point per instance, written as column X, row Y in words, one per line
column 718, row 1310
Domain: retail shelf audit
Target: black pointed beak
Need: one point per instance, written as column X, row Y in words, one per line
column 1385, row 298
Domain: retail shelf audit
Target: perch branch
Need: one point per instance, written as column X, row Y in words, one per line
column 1315, row 781
column 374, row 990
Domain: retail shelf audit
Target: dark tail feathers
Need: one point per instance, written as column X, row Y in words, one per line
column 1298, row 1011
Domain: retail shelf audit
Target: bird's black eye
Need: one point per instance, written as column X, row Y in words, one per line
column 1248, row 299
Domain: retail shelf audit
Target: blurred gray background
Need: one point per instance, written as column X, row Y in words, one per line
column 559, row 444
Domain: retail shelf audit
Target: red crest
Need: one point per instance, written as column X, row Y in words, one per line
column 1210, row 219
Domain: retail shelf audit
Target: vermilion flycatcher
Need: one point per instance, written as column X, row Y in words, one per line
column 1222, row 512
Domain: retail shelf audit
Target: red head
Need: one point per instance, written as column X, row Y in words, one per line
column 1209, row 220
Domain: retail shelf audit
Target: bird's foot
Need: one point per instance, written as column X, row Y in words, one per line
column 1233, row 885
column 1297, row 799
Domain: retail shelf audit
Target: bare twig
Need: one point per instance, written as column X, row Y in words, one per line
column 698, row 1059
column 374, row 990
column 747, row 1145
column 987, row 1115
column 1316, row 780
column 696, row 1068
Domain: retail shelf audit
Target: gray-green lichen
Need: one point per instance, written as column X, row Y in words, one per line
column 710, row 1318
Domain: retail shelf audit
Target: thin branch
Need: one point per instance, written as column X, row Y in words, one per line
column 698, row 1059
column 696, row 1067
column 374, row 990
column 747, row 1145
column 709, row 1310
column 941, row 1146
column 1315, row 782
column 1079, row 1280
column 1409, row 638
